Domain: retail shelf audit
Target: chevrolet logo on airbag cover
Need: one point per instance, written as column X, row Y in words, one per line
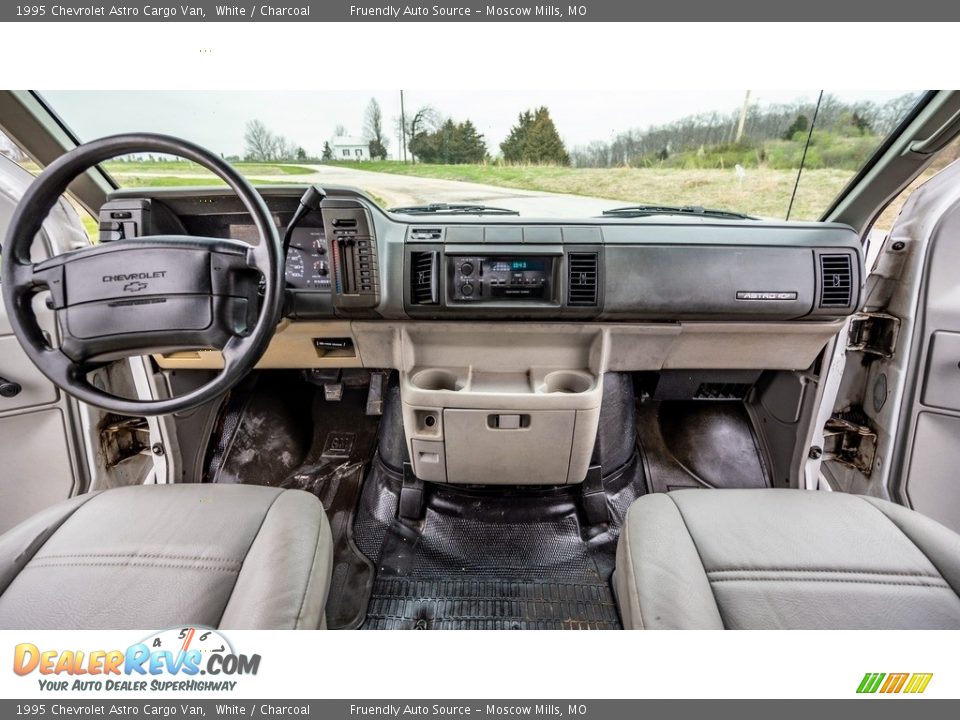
column 120, row 274
column 134, row 276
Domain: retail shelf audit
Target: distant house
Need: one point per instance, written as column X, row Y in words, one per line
column 350, row 148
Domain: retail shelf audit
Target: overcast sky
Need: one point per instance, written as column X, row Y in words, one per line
column 216, row 120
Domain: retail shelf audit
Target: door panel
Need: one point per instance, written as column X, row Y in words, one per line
column 37, row 473
column 941, row 388
column 16, row 367
column 39, row 459
column 934, row 480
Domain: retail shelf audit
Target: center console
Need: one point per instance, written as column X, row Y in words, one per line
column 484, row 406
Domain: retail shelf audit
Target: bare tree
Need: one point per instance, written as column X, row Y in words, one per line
column 373, row 130
column 259, row 141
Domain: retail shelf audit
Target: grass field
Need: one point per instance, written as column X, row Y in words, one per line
column 184, row 167
column 762, row 191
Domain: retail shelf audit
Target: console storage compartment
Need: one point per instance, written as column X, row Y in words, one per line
column 483, row 408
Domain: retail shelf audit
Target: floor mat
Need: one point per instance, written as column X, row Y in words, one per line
column 465, row 602
column 290, row 436
column 699, row 444
column 492, row 558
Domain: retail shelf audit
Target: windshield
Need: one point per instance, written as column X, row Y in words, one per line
column 536, row 153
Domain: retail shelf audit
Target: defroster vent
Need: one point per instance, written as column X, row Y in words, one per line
column 582, row 279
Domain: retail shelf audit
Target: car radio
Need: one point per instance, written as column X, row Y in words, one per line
column 501, row 278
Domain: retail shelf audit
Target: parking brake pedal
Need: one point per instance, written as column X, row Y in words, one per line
column 412, row 496
column 594, row 497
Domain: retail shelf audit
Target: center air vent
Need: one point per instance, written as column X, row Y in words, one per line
column 426, row 234
column 582, row 279
column 424, row 278
column 836, row 281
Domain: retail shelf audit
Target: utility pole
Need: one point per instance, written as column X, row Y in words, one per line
column 403, row 129
column 743, row 117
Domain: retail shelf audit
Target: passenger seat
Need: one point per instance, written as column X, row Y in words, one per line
column 784, row 559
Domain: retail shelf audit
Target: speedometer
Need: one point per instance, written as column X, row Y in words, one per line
column 307, row 266
column 295, row 268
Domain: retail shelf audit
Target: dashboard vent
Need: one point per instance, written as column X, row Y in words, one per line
column 423, row 278
column 426, row 234
column 836, row 281
column 582, row 279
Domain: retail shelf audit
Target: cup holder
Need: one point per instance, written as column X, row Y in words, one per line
column 437, row 380
column 564, row 381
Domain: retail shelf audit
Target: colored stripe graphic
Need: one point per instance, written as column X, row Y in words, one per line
column 870, row 682
column 893, row 683
column 918, row 682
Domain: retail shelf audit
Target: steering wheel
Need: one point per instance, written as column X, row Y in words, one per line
column 145, row 295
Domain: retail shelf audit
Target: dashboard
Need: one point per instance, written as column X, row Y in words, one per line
column 352, row 260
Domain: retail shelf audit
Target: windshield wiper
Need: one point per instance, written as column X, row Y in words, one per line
column 453, row 209
column 696, row 210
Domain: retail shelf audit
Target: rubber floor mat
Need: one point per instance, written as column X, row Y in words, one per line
column 490, row 560
column 466, row 602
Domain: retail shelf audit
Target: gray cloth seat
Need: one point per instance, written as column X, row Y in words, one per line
column 784, row 559
column 159, row 556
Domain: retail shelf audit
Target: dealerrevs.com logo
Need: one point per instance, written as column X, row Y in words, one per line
column 180, row 659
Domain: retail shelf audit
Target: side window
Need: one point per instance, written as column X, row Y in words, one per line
column 10, row 150
column 359, row 152
column 346, row 153
column 883, row 224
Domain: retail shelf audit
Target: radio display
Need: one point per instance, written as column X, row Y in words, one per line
column 518, row 265
column 501, row 278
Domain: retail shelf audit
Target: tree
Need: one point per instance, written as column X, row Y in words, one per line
column 263, row 146
column 259, row 142
column 301, row 154
column 534, row 139
column 451, row 143
column 801, row 124
column 426, row 119
column 373, row 131
column 327, row 152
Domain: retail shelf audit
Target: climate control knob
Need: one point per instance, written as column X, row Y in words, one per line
column 466, row 269
column 466, row 289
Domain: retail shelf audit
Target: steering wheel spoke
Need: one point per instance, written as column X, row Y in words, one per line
column 144, row 295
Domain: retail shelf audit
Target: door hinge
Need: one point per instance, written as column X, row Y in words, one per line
column 848, row 440
column 874, row 333
column 122, row 438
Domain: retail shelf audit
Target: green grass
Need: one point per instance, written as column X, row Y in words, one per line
column 165, row 167
column 764, row 191
column 140, row 181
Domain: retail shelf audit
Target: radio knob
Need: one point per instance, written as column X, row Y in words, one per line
column 466, row 289
column 466, row 269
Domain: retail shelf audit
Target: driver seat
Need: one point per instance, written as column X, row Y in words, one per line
column 160, row 556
